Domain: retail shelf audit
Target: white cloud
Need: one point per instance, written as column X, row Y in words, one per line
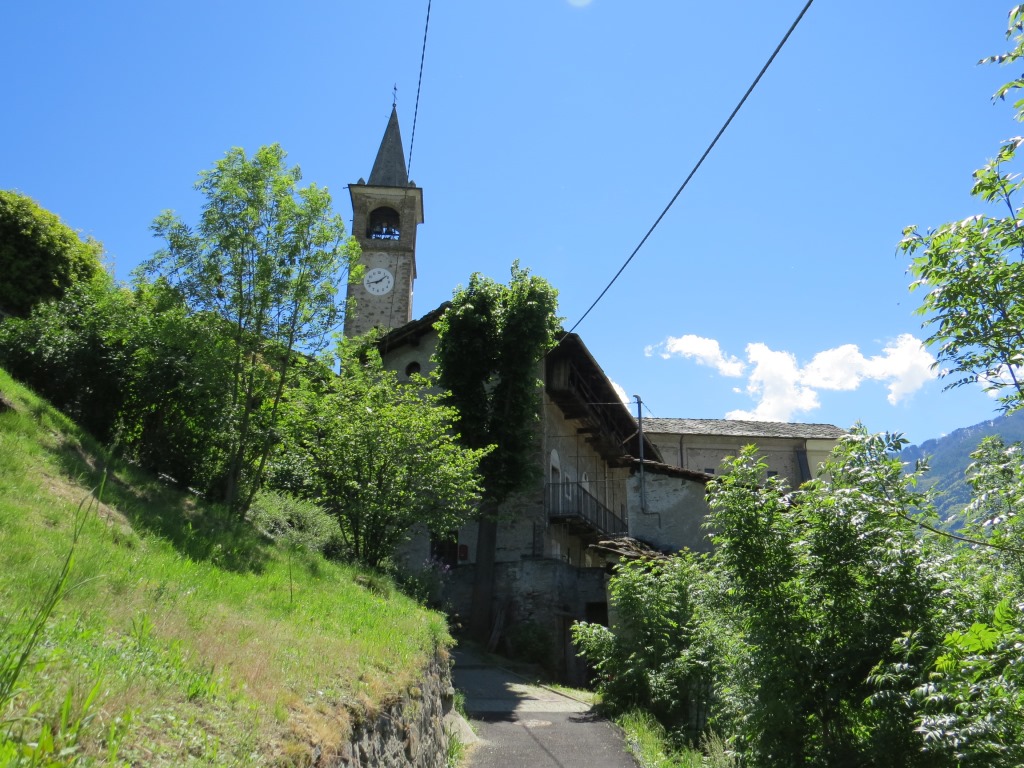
column 704, row 351
column 776, row 384
column 620, row 392
column 783, row 389
column 904, row 363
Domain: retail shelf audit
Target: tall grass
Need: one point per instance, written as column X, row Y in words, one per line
column 180, row 636
column 650, row 745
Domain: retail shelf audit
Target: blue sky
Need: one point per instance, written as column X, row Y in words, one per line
column 555, row 132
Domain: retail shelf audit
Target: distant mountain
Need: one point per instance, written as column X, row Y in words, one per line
column 949, row 456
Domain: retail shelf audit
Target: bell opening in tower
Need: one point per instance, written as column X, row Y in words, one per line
column 384, row 224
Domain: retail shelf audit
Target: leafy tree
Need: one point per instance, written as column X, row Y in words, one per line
column 973, row 702
column 40, row 256
column 491, row 341
column 77, row 351
column 132, row 366
column 174, row 415
column 827, row 579
column 659, row 654
column 267, row 257
column 973, row 273
column 378, row 455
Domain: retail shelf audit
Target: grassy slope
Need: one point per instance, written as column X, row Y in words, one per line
column 183, row 622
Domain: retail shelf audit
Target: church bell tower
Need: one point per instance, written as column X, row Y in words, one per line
column 385, row 213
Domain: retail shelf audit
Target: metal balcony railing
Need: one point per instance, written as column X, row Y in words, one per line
column 572, row 503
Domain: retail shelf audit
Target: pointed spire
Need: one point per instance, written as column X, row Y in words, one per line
column 389, row 167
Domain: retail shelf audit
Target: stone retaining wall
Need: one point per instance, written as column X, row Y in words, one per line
column 412, row 732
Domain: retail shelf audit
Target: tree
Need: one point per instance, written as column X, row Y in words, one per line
column 658, row 655
column 77, row 351
column 378, row 455
column 40, row 256
column 973, row 270
column 131, row 366
column 973, row 702
column 267, row 257
column 828, row 578
column 491, row 340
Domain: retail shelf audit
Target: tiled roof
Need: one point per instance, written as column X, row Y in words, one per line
column 389, row 167
column 659, row 468
column 731, row 428
column 412, row 331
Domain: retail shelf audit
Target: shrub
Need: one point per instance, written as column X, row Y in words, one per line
column 294, row 521
column 40, row 256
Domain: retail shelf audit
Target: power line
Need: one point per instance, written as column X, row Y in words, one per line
column 419, row 84
column 700, row 162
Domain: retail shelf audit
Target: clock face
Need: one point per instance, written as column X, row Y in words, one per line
column 378, row 281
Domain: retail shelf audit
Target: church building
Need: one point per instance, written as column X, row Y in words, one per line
column 590, row 487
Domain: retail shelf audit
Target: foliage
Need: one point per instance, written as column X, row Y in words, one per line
column 657, row 655
column 77, row 352
column 132, row 366
column 426, row 583
column 267, row 257
column 973, row 702
column 378, row 455
column 973, row 272
column 827, row 578
column 996, row 478
column 293, row 521
column 40, row 256
column 647, row 741
column 529, row 641
column 175, row 411
column 491, row 340
column 201, row 662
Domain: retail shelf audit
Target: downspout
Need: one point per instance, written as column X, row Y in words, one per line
column 640, row 439
column 802, row 463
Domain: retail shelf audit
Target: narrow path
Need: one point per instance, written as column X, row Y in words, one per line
column 519, row 724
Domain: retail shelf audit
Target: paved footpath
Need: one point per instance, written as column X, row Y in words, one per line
column 519, row 724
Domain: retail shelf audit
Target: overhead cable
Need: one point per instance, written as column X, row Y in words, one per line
column 419, row 84
column 707, row 151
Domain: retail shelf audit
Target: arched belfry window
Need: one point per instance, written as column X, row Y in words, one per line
column 384, row 224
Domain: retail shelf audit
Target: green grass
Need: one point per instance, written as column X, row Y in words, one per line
column 649, row 744
column 177, row 641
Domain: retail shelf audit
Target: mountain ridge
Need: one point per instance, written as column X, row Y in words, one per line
column 950, row 455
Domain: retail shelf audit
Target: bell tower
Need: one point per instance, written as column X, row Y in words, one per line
column 385, row 213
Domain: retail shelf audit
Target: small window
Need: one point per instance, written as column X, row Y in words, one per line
column 384, row 224
column 772, row 473
column 708, row 471
column 412, row 369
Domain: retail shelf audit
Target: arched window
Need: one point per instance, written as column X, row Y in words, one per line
column 384, row 224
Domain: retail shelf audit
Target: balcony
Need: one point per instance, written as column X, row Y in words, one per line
column 572, row 504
